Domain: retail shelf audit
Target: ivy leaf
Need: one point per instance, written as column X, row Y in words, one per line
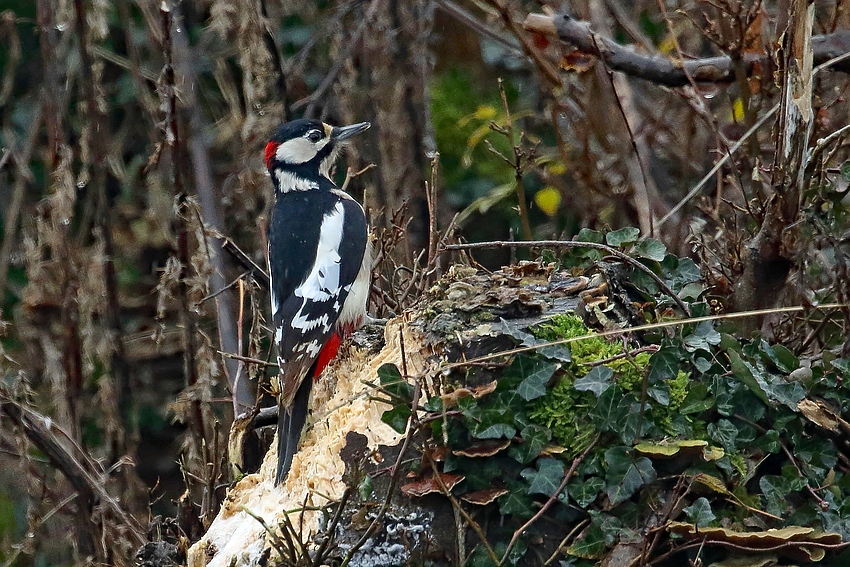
column 697, row 400
column 397, row 417
column 546, row 479
column 700, row 512
column 588, row 235
column 611, row 409
column 703, row 337
column 776, row 490
column 625, row 475
column 534, row 384
column 780, row 356
column 660, row 393
column 584, row 492
column 664, row 365
column 560, row 353
column 725, row 433
column 769, row 388
column 495, row 431
column 516, row 502
column 395, row 385
column 534, row 439
column 680, row 272
column 743, row 373
column 651, row 249
column 842, row 365
column 597, row 380
column 590, row 545
column 623, row 236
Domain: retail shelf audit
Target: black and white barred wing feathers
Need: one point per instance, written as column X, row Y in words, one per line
column 305, row 314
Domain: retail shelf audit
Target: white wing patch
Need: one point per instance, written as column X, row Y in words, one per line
column 323, row 282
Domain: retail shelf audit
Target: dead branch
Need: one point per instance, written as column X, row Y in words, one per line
column 573, row 244
column 666, row 71
column 86, row 480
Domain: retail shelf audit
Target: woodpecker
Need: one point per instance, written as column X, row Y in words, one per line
column 319, row 263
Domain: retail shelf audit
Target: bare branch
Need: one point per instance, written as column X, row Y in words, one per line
column 664, row 71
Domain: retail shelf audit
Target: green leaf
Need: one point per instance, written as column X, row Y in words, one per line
column 584, row 492
column 776, row 490
column 611, row 410
column 392, row 381
column 546, row 478
column 680, row 271
column 780, row 356
column 725, row 433
column 517, row 502
column 534, row 384
column 590, row 545
column 697, row 400
column 588, row 235
column 434, row 404
column 650, row 248
column 700, row 512
column 597, row 380
column 397, row 417
column 365, row 489
column 623, row 236
column 560, row 353
column 842, row 365
column 743, row 373
column 664, row 365
column 660, row 393
column 625, row 474
column 496, row 431
column 534, row 439
column 703, row 337
column 770, row 388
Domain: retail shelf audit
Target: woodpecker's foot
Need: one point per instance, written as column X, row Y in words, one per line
column 369, row 320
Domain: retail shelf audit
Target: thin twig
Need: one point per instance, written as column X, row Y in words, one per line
column 320, row 554
column 225, row 288
column 259, row 274
column 247, row 359
column 648, row 327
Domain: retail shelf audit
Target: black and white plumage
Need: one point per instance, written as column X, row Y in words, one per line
column 319, row 263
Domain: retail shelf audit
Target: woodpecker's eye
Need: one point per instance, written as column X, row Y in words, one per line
column 314, row 135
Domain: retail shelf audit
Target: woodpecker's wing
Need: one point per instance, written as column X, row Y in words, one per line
column 316, row 245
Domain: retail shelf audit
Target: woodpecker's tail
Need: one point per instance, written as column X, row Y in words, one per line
column 290, row 422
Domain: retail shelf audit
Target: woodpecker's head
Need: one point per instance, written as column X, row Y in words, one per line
column 301, row 150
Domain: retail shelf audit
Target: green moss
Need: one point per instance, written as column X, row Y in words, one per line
column 568, row 326
column 564, row 411
column 678, row 389
column 629, row 372
column 738, row 463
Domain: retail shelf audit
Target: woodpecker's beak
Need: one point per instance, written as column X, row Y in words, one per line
column 339, row 133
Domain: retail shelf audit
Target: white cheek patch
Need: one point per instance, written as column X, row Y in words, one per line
column 298, row 150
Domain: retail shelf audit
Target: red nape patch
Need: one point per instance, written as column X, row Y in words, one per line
column 327, row 354
column 271, row 149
